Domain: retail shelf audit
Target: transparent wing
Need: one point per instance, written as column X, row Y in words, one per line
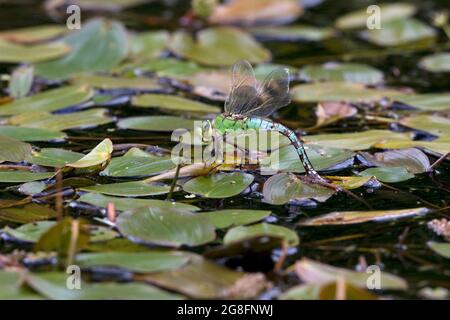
column 272, row 94
column 243, row 91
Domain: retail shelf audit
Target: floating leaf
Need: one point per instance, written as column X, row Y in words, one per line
column 412, row 159
column 220, row 46
column 203, row 279
column 152, row 261
column 33, row 34
column 58, row 122
column 13, row 150
column 98, row 46
column 434, row 124
column 345, row 72
column 241, row 233
column 172, row 103
column 27, row 213
column 53, row 157
column 438, row 62
column 356, row 140
column 100, row 154
column 147, row 45
column 353, row 182
column 282, row 188
column 156, row 123
column 353, row 217
column 339, row 91
column 326, row 292
column 426, row 101
column 123, row 204
column 108, row 5
column 166, row 227
column 115, row 83
column 30, row 232
column 440, row 146
column 388, row 174
column 53, row 285
column 234, row 217
column 49, row 101
column 169, row 67
column 30, row 188
column 31, row 134
column 130, row 189
column 442, row 249
column 252, row 12
column 16, row 53
column 293, row 33
column 388, row 12
column 399, row 32
column 219, row 185
column 20, row 82
column 134, row 166
column 330, row 112
column 311, row 271
column 11, row 287
column 23, row 176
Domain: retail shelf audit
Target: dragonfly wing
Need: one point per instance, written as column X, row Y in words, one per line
column 243, row 88
column 272, row 94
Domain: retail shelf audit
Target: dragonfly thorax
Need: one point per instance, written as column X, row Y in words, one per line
column 224, row 123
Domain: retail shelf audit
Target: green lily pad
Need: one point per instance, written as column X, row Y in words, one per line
column 113, row 83
column 356, row 140
column 282, row 188
column 438, row 62
column 426, row 101
column 98, row 46
column 439, row 146
column 339, row 91
column 345, row 72
column 293, row 33
column 234, row 217
column 434, row 124
column 135, row 166
column 11, row 287
column 123, row 204
column 27, row 213
column 442, row 249
column 169, row 67
column 53, row 285
column 130, row 189
column 53, row 157
column 16, row 53
column 33, row 187
column 219, row 185
column 59, row 122
column 33, row 34
column 219, row 46
column 13, row 150
column 388, row 12
column 30, row 232
column 49, row 101
column 172, row 103
column 166, row 227
column 388, row 174
column 31, row 134
column 241, row 233
column 23, row 176
column 100, row 154
column 21, row 82
column 156, row 123
column 399, row 32
column 151, row 44
column 412, row 159
column 152, row 261
column 354, row 217
column 314, row 272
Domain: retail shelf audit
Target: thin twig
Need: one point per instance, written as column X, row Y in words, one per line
column 284, row 252
column 59, row 196
column 74, row 233
column 438, row 161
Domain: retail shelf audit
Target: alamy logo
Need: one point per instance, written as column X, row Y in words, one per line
column 374, row 280
column 73, row 281
column 73, row 22
column 374, row 20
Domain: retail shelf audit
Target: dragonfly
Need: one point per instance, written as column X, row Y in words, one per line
column 249, row 104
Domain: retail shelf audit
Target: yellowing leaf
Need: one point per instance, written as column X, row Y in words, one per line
column 100, row 154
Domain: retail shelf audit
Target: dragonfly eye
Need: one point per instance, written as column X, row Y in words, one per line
column 206, row 131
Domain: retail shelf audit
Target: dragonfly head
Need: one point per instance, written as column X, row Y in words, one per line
column 207, row 131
